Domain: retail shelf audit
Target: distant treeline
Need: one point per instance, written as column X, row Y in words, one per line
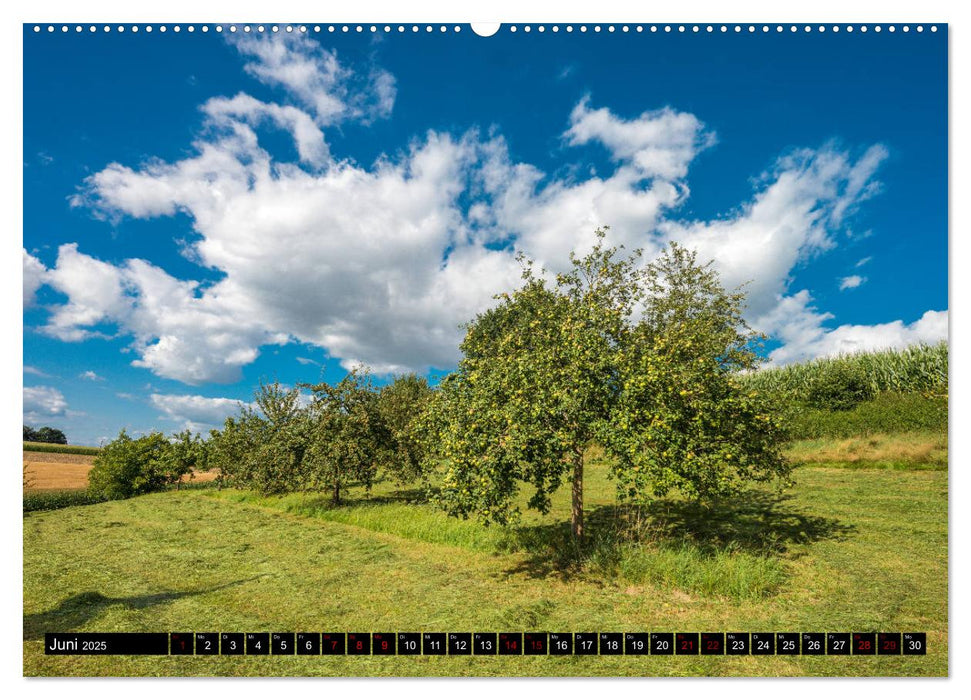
column 45, row 434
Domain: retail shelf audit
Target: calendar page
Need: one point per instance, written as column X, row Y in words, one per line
column 449, row 349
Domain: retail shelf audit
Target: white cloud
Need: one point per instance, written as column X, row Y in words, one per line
column 354, row 260
column 313, row 76
column 91, row 375
column 801, row 328
column 197, row 413
column 29, row 369
column 348, row 259
column 851, row 282
column 94, row 291
column 308, row 137
column 381, row 264
column 42, row 403
column 791, row 219
column 657, row 144
column 34, row 277
column 863, row 261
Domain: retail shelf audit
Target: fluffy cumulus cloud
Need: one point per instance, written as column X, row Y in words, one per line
column 802, row 329
column 43, row 403
column 177, row 332
column 381, row 264
column 657, row 144
column 550, row 217
column 34, row 277
column 197, row 413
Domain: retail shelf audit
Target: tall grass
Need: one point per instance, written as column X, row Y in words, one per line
column 916, row 369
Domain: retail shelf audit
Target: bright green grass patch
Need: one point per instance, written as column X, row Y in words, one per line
column 888, row 413
column 624, row 543
column 68, row 498
column 62, row 449
column 403, row 514
column 860, row 550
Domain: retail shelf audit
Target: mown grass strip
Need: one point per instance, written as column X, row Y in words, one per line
column 862, row 550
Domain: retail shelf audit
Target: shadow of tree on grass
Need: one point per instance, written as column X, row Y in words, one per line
column 754, row 523
column 77, row 610
column 404, row 496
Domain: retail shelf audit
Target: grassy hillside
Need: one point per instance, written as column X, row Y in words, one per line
column 847, row 549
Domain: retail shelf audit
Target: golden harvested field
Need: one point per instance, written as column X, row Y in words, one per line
column 48, row 471
column 57, row 458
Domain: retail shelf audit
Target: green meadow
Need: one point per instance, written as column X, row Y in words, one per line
column 852, row 547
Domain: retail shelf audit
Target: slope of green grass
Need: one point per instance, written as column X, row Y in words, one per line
column 887, row 413
column 847, row 550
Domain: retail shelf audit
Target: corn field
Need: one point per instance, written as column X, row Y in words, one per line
column 918, row 368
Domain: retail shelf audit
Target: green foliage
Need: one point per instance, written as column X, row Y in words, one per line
column 537, row 378
column 263, row 447
column 45, row 435
column 919, row 369
column 52, row 500
column 185, row 454
column 60, row 449
column 682, row 420
column 838, row 388
column 348, row 437
column 552, row 367
column 128, row 467
column 888, row 413
column 400, row 404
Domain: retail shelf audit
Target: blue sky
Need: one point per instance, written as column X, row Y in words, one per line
column 205, row 210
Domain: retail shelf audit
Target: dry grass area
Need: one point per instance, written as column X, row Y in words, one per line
column 924, row 449
column 51, row 476
column 47, row 471
column 51, row 471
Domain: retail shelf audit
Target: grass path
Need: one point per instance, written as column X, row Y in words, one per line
column 860, row 550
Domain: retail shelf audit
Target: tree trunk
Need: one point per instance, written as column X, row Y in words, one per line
column 337, row 493
column 576, row 515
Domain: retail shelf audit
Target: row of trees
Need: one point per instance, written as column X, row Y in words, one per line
column 344, row 435
column 45, row 434
column 643, row 360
